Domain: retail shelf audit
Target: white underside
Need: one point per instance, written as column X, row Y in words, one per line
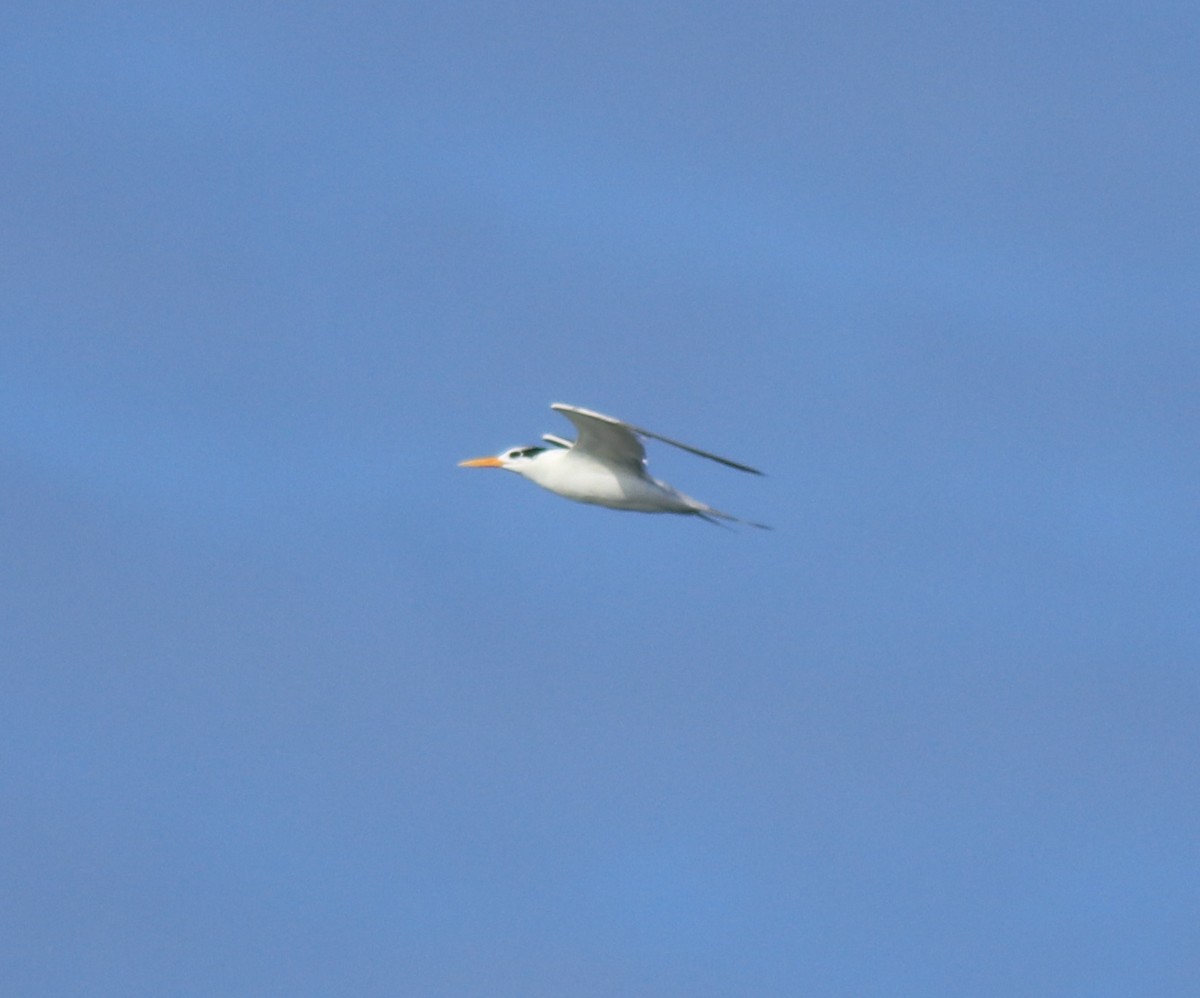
column 578, row 477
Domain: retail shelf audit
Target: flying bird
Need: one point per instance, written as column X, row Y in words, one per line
column 606, row 465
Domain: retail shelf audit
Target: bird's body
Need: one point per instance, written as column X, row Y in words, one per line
column 577, row 475
column 605, row 466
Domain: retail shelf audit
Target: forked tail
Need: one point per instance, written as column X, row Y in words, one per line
column 717, row 516
column 706, row 512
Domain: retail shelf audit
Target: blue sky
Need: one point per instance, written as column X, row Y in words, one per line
column 293, row 705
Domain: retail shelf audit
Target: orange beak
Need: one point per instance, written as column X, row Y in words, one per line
column 482, row 462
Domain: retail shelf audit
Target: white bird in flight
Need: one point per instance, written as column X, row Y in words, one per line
column 606, row 466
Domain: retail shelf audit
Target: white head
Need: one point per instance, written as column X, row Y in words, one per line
column 518, row 459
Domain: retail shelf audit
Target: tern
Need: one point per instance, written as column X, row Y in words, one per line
column 606, row 466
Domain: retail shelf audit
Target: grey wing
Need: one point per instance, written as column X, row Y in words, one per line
column 598, row 421
column 605, row 438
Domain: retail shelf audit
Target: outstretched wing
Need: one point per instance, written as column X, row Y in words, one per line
column 616, row 441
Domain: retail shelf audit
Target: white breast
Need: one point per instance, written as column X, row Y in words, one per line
column 584, row 479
